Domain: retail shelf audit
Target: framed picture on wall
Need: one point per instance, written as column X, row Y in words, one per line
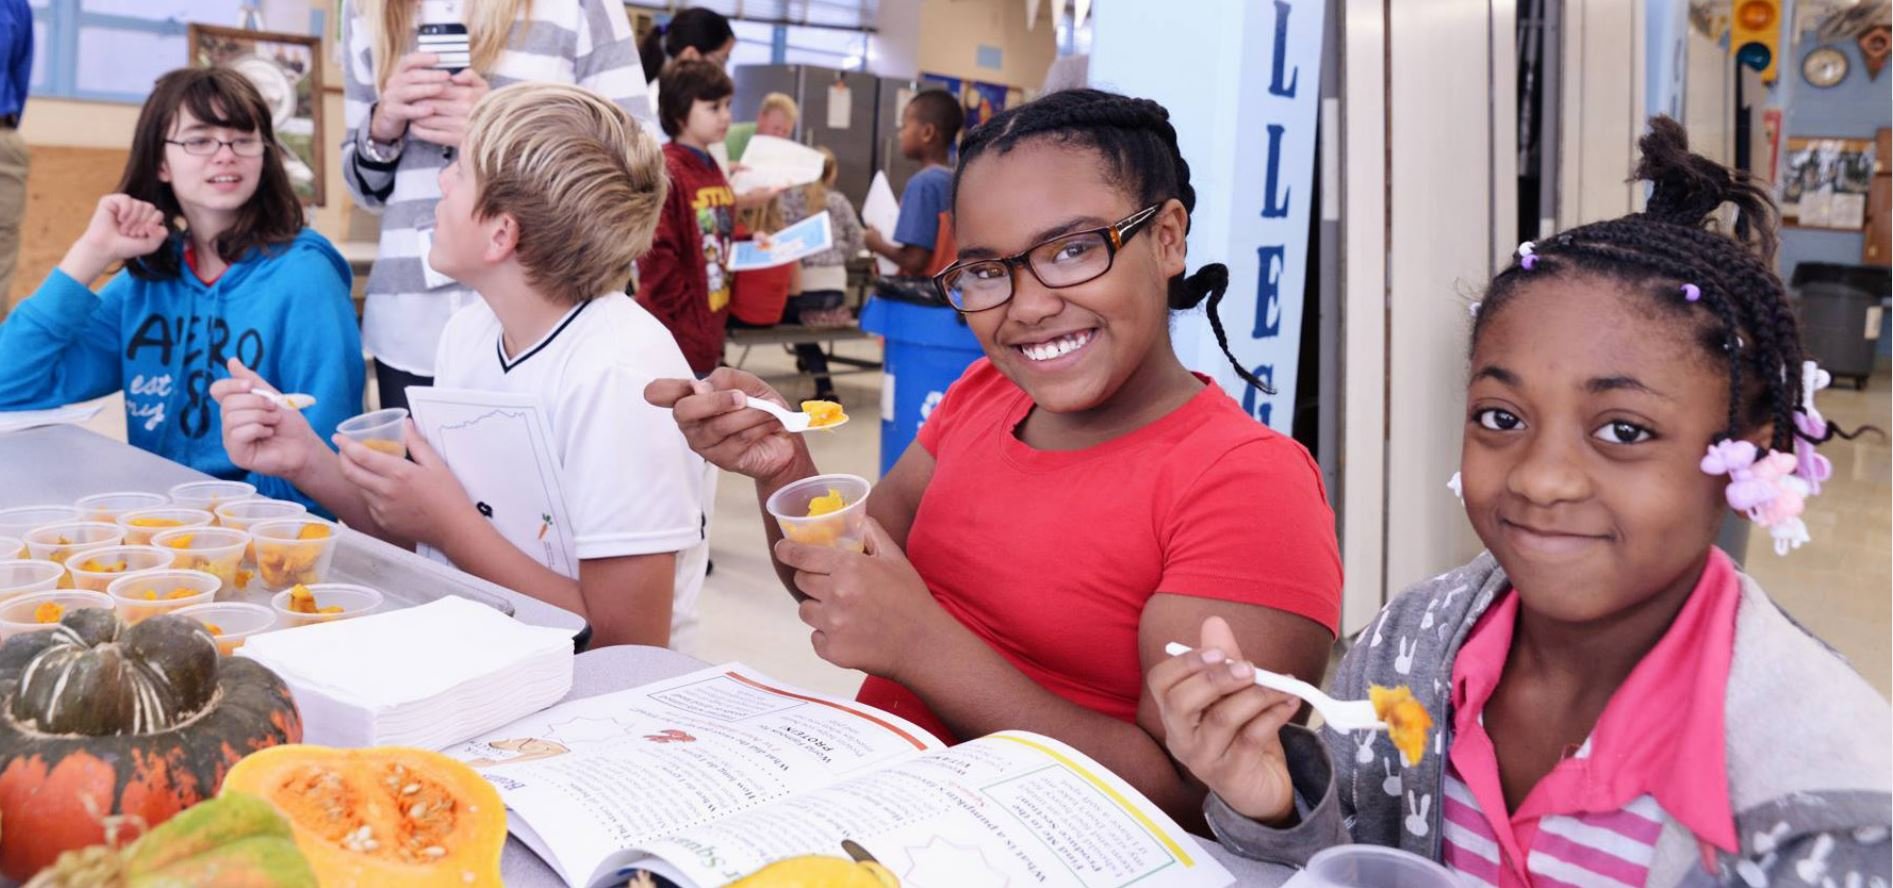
column 1824, row 182
column 287, row 70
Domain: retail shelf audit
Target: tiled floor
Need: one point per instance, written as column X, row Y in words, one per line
column 747, row 615
column 1840, row 586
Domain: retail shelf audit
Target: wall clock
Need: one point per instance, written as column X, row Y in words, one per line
column 1824, row 67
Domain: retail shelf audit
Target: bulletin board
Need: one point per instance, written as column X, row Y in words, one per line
column 981, row 100
column 1825, row 182
column 61, row 192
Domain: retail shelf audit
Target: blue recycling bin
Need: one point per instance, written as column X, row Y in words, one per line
column 928, row 347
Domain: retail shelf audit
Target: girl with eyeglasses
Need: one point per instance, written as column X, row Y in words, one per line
column 213, row 263
column 1079, row 497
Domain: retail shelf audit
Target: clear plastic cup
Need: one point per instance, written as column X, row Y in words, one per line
column 142, row 525
column 20, row 576
column 231, row 623
column 843, row 529
column 58, row 542
column 214, row 550
column 108, row 506
column 94, row 571
column 353, row 600
column 24, row 614
column 150, row 593
column 17, row 522
column 208, row 495
column 242, row 514
column 381, row 430
column 291, row 551
column 1371, row 866
column 12, row 547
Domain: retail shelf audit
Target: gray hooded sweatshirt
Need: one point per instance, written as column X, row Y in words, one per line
column 1809, row 744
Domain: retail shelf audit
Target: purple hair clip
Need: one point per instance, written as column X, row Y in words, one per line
column 1692, row 293
column 1811, row 466
column 1526, row 258
column 1772, row 489
column 1764, row 488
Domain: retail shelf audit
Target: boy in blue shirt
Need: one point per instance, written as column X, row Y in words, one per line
column 923, row 241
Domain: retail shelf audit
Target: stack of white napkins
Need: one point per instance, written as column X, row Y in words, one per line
column 428, row 676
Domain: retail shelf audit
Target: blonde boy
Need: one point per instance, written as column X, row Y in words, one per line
column 555, row 193
column 776, row 116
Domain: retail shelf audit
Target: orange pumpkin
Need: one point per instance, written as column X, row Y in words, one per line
column 101, row 722
column 382, row 816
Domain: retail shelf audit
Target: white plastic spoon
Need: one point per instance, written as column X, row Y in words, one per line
column 293, row 401
column 792, row 420
column 1350, row 715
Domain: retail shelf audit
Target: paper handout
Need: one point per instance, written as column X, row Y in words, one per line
column 71, row 414
column 771, row 162
column 840, row 106
column 804, row 238
column 499, row 446
column 881, row 211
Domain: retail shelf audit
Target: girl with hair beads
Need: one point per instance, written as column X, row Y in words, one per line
column 1615, row 703
column 1079, row 497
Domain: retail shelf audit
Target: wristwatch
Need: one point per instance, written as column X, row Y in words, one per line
column 375, row 150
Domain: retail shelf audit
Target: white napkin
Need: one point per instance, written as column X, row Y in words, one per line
column 427, row 676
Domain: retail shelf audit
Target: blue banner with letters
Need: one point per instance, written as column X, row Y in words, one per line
column 1245, row 98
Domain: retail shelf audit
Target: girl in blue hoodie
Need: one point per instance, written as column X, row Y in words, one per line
column 240, row 277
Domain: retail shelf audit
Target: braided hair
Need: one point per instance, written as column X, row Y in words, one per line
column 1139, row 147
column 1722, row 284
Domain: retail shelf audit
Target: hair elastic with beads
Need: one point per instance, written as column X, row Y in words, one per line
column 1526, row 258
column 1773, row 489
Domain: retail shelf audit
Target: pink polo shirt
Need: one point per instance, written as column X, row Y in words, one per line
column 1657, row 749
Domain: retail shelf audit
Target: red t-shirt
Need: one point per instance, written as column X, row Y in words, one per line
column 190, row 261
column 1050, row 556
column 757, row 298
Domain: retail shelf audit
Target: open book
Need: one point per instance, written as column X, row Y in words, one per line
column 710, row 776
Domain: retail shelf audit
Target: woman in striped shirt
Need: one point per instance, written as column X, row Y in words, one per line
column 406, row 111
column 1614, row 703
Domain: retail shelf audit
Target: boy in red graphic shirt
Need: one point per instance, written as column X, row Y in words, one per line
column 685, row 279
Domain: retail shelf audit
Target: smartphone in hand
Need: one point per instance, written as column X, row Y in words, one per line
column 449, row 42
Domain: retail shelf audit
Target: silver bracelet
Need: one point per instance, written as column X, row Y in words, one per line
column 377, row 151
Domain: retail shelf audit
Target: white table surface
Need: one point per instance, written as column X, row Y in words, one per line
column 59, row 464
column 56, row 465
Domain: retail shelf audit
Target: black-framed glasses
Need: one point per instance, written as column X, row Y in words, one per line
column 205, row 146
column 1063, row 261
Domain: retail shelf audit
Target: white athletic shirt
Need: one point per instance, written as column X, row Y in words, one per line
column 631, row 484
